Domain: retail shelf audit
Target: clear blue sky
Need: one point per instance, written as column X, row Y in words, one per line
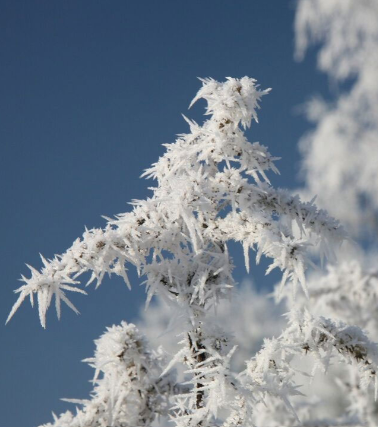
column 89, row 90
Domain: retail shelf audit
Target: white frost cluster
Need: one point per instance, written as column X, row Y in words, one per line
column 128, row 389
column 212, row 187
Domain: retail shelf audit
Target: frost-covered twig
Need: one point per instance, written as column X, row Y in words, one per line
column 348, row 292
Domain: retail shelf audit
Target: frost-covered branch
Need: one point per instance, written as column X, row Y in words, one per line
column 347, row 292
column 317, row 335
column 204, row 198
column 272, row 372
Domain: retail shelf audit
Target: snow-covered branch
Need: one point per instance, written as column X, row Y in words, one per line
column 273, row 371
column 205, row 197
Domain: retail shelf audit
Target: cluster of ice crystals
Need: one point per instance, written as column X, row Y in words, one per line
column 128, row 390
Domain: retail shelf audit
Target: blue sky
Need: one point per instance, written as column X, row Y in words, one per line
column 89, row 91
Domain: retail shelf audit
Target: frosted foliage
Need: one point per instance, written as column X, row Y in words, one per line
column 341, row 153
column 212, row 187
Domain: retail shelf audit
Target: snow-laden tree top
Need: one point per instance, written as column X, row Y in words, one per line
column 212, row 187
